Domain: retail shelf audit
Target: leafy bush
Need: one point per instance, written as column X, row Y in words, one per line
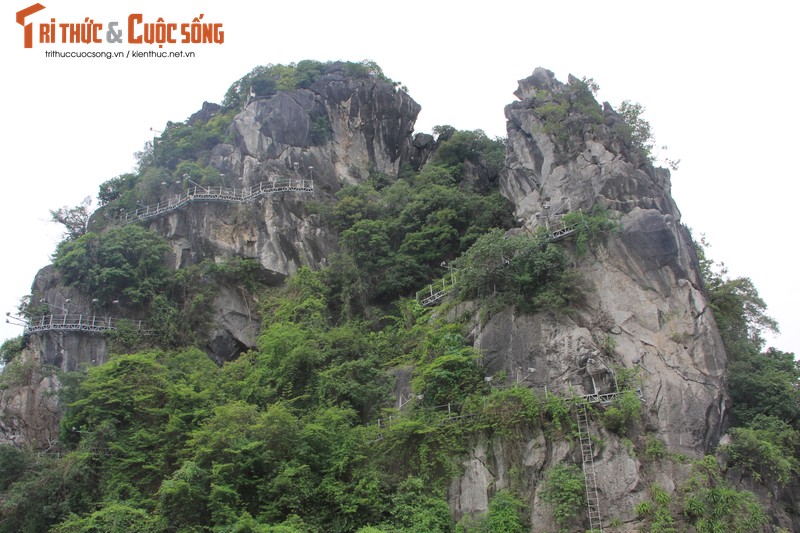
column 472, row 146
column 635, row 129
column 767, row 449
column 508, row 411
column 529, row 272
column 657, row 511
column 564, row 489
column 590, row 227
column 655, row 449
column 417, row 511
column 12, row 465
column 559, row 413
column 449, row 378
column 394, row 240
column 11, row 348
column 123, row 263
column 504, row 514
column 623, row 413
column 711, row 505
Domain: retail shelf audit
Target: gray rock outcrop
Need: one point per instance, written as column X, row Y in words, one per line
column 644, row 309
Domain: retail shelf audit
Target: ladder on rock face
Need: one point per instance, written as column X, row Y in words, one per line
column 589, row 475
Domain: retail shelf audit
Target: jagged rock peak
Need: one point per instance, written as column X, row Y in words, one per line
column 565, row 147
column 343, row 122
column 564, row 152
column 541, row 79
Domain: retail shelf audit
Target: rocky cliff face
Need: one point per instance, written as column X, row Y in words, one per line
column 342, row 126
column 644, row 310
column 645, row 287
column 340, row 130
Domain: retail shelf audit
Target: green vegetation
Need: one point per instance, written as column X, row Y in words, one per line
column 623, row 414
column 529, row 272
column 655, row 449
column 126, row 262
column 394, row 238
column 125, row 265
column 635, row 128
column 656, row 511
column 191, row 143
column 511, row 412
column 764, row 384
column 301, row 433
column 11, row 348
column 564, row 489
column 591, row 227
column 503, row 515
column 287, row 430
column 179, row 153
column 269, row 79
column 767, row 448
column 74, row 219
column 712, row 505
column 568, row 114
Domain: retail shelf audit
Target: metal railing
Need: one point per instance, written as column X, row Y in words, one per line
column 437, row 290
column 81, row 322
column 220, row 194
column 563, row 232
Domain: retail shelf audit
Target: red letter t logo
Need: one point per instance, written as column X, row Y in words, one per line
column 29, row 28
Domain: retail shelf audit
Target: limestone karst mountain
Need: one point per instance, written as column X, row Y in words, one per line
column 313, row 173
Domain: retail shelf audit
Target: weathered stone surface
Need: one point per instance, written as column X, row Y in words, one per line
column 68, row 351
column 343, row 127
column 645, row 278
column 29, row 408
column 643, row 308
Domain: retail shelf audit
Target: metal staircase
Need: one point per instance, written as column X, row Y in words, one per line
column 589, row 474
column 434, row 292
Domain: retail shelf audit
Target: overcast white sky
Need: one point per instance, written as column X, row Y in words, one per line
column 718, row 81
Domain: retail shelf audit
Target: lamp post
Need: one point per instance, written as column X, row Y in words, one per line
column 18, row 321
column 49, row 305
column 450, row 270
column 187, row 178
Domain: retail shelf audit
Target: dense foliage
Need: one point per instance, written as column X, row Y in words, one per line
column 527, row 271
column 566, row 492
column 764, row 384
column 397, row 237
column 302, row 433
column 286, row 434
column 125, row 262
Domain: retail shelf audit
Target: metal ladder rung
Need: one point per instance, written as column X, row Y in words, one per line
column 589, row 474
